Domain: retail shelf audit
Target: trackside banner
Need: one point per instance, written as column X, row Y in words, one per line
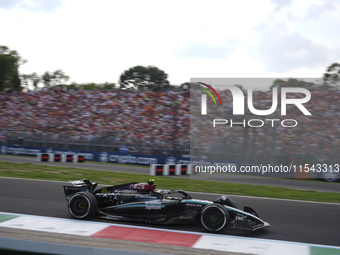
column 105, row 157
column 205, row 166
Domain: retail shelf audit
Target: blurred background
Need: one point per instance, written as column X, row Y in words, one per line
column 314, row 139
column 115, row 76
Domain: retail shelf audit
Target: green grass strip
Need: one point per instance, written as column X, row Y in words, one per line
column 323, row 251
column 6, row 217
column 32, row 171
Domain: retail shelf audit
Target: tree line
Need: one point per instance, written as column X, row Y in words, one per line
column 137, row 77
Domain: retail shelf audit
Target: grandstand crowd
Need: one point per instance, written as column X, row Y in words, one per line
column 317, row 135
column 162, row 120
column 153, row 119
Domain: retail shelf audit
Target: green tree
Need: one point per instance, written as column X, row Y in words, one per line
column 46, row 79
column 89, row 86
column 24, row 80
column 185, row 85
column 30, row 79
column 74, row 86
column 332, row 76
column 292, row 82
column 140, row 77
column 56, row 78
column 10, row 61
column 108, row 85
column 92, row 86
column 35, row 79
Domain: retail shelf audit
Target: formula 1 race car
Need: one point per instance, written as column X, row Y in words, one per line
column 143, row 202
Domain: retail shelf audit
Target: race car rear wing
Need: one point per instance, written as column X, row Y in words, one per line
column 83, row 185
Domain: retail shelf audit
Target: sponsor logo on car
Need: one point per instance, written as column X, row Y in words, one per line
column 196, row 205
column 153, row 205
column 140, row 186
column 144, row 196
column 72, row 188
column 114, row 217
column 241, row 218
column 185, row 217
column 126, row 190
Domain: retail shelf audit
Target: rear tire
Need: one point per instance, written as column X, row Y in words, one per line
column 82, row 205
column 214, row 217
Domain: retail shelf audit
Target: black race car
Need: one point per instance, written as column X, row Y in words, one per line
column 143, row 202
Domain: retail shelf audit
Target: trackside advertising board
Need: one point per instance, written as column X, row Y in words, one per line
column 105, row 157
column 200, row 165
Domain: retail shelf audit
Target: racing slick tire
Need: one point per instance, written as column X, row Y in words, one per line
column 214, row 217
column 82, row 205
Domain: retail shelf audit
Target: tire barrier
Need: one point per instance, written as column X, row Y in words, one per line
column 43, row 157
column 69, row 158
column 156, row 169
column 80, row 159
column 170, row 169
column 57, row 157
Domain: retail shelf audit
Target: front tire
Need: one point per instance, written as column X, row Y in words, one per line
column 214, row 217
column 82, row 205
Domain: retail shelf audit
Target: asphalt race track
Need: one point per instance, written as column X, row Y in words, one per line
column 232, row 178
column 297, row 221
